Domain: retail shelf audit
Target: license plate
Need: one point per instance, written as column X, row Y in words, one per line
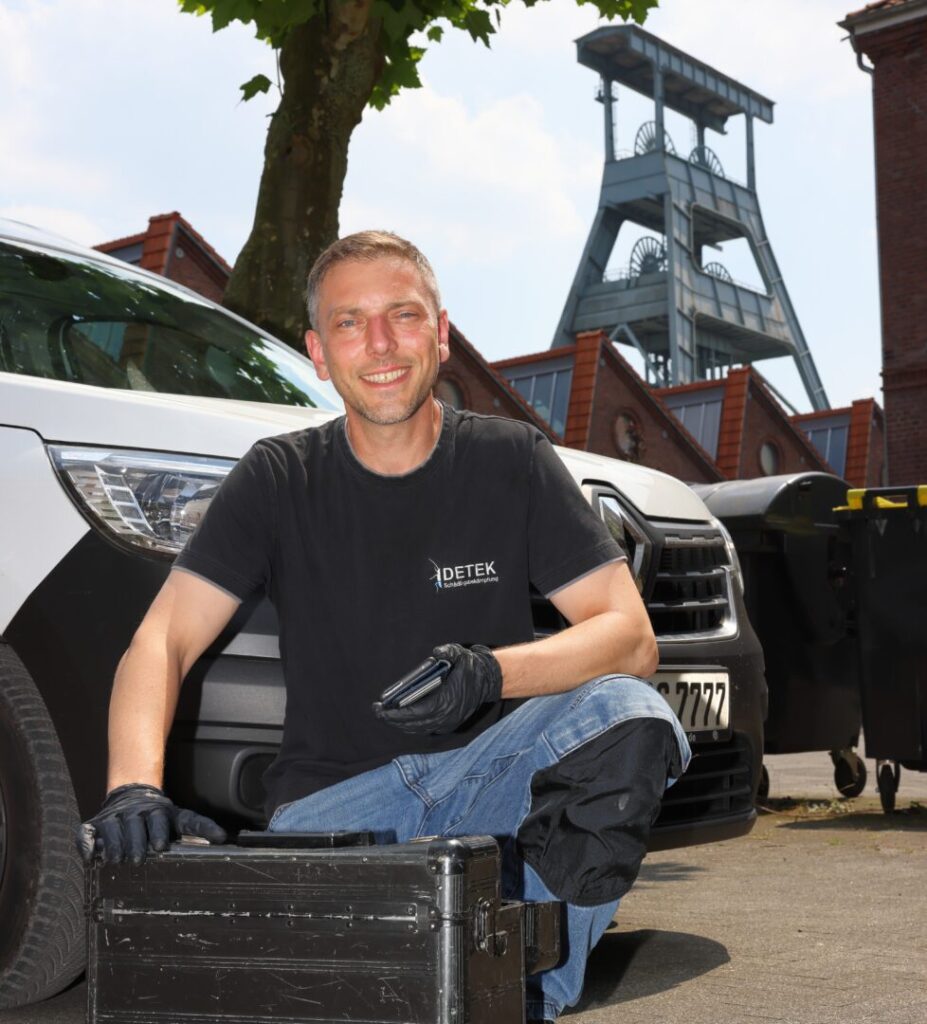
column 701, row 700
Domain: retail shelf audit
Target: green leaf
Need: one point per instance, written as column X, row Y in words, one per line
column 479, row 25
column 635, row 10
column 399, row 20
column 260, row 83
column 227, row 11
column 400, row 72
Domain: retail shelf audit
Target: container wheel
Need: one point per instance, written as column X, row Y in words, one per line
column 849, row 772
column 41, row 879
column 888, row 775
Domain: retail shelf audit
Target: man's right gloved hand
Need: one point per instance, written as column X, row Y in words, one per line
column 136, row 819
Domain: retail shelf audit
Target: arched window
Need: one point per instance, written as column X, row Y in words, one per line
column 770, row 459
column 450, row 392
column 626, row 434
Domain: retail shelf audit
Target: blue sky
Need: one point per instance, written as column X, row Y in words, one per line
column 114, row 110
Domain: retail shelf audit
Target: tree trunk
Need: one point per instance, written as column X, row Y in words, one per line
column 329, row 67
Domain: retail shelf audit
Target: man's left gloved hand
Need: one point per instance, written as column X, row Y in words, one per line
column 473, row 679
column 138, row 818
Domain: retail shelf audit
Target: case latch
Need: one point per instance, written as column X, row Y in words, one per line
column 488, row 940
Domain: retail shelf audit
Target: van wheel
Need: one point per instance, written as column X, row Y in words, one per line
column 42, row 946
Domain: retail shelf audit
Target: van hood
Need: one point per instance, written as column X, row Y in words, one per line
column 81, row 414
column 67, row 413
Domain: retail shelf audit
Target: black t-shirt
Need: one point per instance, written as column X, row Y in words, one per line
column 369, row 572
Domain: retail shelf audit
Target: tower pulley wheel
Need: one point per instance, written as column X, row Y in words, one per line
column 646, row 140
column 702, row 156
column 718, row 270
column 647, row 257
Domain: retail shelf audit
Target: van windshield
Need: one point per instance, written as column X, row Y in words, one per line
column 73, row 319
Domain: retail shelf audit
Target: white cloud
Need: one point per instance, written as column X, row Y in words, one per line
column 17, row 68
column 786, row 49
column 114, row 110
column 70, row 224
column 497, row 176
column 547, row 29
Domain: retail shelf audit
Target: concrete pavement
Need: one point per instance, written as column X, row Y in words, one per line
column 819, row 916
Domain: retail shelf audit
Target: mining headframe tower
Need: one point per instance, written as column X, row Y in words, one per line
column 682, row 310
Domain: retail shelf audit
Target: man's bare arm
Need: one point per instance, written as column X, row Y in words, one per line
column 183, row 620
column 610, row 632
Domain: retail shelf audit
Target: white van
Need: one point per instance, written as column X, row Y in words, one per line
column 124, row 401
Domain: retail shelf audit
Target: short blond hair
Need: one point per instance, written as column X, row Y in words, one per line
column 365, row 247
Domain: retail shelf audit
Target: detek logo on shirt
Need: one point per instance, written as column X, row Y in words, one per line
column 447, row 577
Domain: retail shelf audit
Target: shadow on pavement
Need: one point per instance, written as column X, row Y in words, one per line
column 898, row 821
column 665, row 871
column 629, row 965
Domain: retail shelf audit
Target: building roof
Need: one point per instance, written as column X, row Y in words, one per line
column 156, row 242
column 883, row 14
column 463, row 346
column 820, row 414
column 696, row 385
column 863, row 413
column 121, row 243
column 534, row 357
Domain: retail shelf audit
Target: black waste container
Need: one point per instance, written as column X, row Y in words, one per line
column 888, row 530
column 795, row 561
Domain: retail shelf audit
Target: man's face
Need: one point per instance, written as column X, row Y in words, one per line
column 379, row 339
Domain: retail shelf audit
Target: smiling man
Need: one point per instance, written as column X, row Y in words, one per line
column 402, row 529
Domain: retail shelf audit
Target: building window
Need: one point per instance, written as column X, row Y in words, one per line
column 831, row 441
column 627, row 437
column 547, row 392
column 450, row 392
column 700, row 413
column 770, row 460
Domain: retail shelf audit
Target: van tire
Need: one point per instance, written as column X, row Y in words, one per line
column 42, row 931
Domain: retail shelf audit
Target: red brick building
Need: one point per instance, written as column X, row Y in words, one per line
column 851, row 440
column 892, row 35
column 587, row 396
column 732, row 428
column 171, row 247
column 743, row 426
column 468, row 381
column 599, row 403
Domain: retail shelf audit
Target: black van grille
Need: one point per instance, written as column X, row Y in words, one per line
column 717, row 784
column 690, row 593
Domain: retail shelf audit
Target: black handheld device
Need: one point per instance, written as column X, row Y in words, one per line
column 304, row 840
column 413, row 686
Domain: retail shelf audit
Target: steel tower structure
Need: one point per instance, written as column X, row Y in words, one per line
column 685, row 314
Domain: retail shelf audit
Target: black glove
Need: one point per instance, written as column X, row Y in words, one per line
column 473, row 679
column 136, row 819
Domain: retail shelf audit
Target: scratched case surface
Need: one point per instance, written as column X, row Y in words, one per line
column 406, row 933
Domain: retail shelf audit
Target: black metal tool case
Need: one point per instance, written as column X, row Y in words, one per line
column 408, row 933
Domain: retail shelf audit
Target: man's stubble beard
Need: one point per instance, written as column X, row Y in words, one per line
column 387, row 419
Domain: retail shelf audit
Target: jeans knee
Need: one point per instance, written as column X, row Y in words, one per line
column 600, row 704
column 586, row 831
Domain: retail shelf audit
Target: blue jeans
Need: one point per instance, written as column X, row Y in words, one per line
column 484, row 788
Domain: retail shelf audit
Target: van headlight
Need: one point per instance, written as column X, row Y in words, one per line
column 149, row 500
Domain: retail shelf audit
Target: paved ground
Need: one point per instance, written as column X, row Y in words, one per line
column 819, row 916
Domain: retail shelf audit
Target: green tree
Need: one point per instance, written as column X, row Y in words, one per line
column 335, row 58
